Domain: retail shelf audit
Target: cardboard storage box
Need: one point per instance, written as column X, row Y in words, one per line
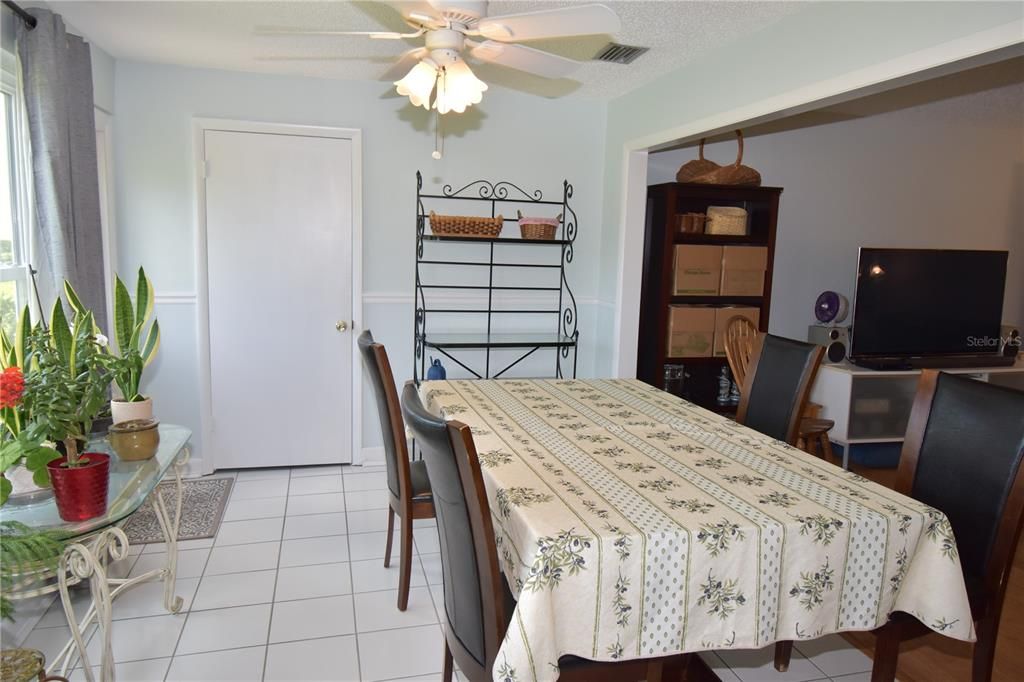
column 722, row 317
column 691, row 331
column 698, row 270
column 743, row 270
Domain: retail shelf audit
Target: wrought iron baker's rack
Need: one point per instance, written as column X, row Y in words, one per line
column 566, row 334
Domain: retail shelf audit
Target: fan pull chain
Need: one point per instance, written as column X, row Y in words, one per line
column 438, row 138
column 438, row 132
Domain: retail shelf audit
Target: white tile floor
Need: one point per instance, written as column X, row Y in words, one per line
column 293, row 588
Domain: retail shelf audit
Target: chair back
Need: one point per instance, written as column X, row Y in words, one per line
column 389, row 412
column 777, row 386
column 739, row 345
column 473, row 591
column 962, row 455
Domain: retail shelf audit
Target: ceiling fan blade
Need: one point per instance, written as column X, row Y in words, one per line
column 405, row 62
column 420, row 12
column 550, row 23
column 525, row 59
column 290, row 31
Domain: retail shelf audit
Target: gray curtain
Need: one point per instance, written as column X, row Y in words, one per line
column 57, row 74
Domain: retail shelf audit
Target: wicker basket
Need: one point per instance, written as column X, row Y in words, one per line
column 538, row 228
column 726, row 220
column 465, row 226
column 692, row 223
column 733, row 174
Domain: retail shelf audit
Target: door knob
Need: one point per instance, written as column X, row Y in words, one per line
column 341, row 326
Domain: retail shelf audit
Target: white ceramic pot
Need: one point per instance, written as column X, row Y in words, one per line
column 121, row 411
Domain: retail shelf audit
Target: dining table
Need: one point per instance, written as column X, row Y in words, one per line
column 630, row 523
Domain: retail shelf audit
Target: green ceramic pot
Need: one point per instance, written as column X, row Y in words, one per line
column 135, row 440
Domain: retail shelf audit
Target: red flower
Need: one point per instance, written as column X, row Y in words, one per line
column 12, row 385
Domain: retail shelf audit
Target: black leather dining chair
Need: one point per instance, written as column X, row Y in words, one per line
column 478, row 605
column 962, row 455
column 777, row 386
column 409, row 495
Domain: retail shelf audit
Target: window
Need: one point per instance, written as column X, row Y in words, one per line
column 15, row 199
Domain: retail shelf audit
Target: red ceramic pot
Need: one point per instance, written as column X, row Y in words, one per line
column 81, row 491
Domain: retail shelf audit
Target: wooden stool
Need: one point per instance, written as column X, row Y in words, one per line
column 25, row 665
column 814, row 437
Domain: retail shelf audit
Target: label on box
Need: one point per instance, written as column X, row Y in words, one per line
column 691, row 331
column 698, row 270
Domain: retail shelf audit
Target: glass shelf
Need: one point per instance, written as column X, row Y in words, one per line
column 497, row 340
column 130, row 484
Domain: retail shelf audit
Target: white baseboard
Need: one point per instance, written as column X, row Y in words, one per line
column 373, row 456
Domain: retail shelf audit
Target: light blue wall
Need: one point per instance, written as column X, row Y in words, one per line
column 531, row 141
column 806, row 55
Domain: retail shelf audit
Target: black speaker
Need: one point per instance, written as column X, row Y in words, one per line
column 1010, row 340
column 835, row 339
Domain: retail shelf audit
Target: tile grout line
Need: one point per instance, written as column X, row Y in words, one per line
column 277, row 575
column 351, row 583
column 202, row 574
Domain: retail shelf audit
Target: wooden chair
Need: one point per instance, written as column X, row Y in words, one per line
column 739, row 346
column 777, row 383
column 478, row 605
column 962, row 455
column 409, row 494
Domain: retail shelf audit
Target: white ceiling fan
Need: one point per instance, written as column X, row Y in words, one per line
column 452, row 27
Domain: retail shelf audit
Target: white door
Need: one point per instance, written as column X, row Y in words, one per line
column 279, row 258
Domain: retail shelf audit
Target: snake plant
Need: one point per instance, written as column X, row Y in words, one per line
column 136, row 345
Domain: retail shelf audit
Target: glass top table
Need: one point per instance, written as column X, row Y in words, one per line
column 99, row 540
column 130, row 485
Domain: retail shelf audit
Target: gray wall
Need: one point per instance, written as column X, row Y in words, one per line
column 935, row 165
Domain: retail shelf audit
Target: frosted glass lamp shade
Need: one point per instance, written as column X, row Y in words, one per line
column 418, row 84
column 458, row 88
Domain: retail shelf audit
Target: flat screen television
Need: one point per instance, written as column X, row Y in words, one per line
column 927, row 303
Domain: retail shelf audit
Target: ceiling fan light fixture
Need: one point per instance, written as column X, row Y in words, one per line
column 418, row 84
column 458, row 88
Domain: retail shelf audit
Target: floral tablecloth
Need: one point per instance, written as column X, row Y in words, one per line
column 633, row 524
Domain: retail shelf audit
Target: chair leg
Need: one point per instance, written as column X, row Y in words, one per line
column 783, row 654
column 826, row 448
column 446, row 673
column 985, row 648
column 887, row 653
column 810, row 445
column 391, row 532
column 405, row 564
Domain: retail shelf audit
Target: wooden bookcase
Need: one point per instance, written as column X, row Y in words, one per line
column 664, row 203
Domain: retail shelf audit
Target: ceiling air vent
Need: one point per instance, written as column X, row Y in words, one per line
column 619, row 54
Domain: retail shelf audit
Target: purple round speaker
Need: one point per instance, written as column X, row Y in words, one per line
column 831, row 307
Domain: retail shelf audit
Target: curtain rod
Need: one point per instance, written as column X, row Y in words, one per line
column 29, row 20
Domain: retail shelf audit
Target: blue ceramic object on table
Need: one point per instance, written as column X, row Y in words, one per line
column 436, row 371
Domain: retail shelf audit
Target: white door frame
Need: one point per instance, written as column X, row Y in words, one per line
column 355, row 135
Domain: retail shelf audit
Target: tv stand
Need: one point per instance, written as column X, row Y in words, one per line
column 870, row 406
column 971, row 362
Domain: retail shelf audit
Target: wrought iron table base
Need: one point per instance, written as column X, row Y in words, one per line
column 87, row 560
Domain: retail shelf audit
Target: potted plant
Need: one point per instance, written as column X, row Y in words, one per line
column 64, row 392
column 24, row 553
column 136, row 345
column 21, row 440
